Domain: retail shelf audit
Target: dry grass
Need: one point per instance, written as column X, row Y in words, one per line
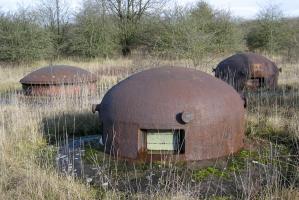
column 27, row 169
column 21, row 145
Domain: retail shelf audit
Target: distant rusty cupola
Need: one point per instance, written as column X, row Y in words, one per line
column 172, row 112
column 58, row 80
column 248, row 71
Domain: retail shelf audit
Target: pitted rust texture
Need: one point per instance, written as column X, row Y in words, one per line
column 207, row 110
column 57, row 80
column 248, row 70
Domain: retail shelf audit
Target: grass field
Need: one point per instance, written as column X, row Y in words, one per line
column 267, row 168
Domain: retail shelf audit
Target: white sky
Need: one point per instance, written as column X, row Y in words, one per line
column 239, row 8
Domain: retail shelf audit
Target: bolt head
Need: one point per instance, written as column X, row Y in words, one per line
column 187, row 117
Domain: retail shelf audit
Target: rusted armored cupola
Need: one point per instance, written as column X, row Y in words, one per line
column 58, row 80
column 248, row 70
column 172, row 112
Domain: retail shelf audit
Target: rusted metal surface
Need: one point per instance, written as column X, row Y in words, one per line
column 248, row 70
column 207, row 112
column 57, row 80
column 58, row 74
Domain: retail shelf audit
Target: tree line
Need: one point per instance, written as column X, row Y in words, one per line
column 108, row 28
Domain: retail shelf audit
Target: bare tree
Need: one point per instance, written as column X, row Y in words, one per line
column 94, row 33
column 54, row 15
column 128, row 14
column 129, row 10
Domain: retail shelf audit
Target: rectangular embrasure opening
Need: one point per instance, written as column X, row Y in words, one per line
column 159, row 141
column 256, row 82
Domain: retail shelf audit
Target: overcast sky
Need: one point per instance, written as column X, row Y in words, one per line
column 239, row 8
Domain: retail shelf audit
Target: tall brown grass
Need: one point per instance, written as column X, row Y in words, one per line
column 27, row 160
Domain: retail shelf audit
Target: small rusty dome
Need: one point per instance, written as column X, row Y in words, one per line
column 58, row 74
column 248, row 70
column 57, row 79
column 171, row 111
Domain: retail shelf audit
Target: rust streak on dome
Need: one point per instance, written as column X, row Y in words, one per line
column 58, row 74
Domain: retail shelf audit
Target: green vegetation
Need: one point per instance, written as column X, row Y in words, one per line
column 273, row 33
column 200, row 175
column 221, row 198
column 197, row 33
column 31, row 129
column 266, row 167
column 113, row 28
column 22, row 40
column 235, row 164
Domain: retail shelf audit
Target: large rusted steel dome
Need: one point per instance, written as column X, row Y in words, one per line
column 175, row 112
column 248, row 70
column 58, row 79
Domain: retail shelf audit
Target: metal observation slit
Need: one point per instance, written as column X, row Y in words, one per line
column 164, row 141
column 254, row 82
